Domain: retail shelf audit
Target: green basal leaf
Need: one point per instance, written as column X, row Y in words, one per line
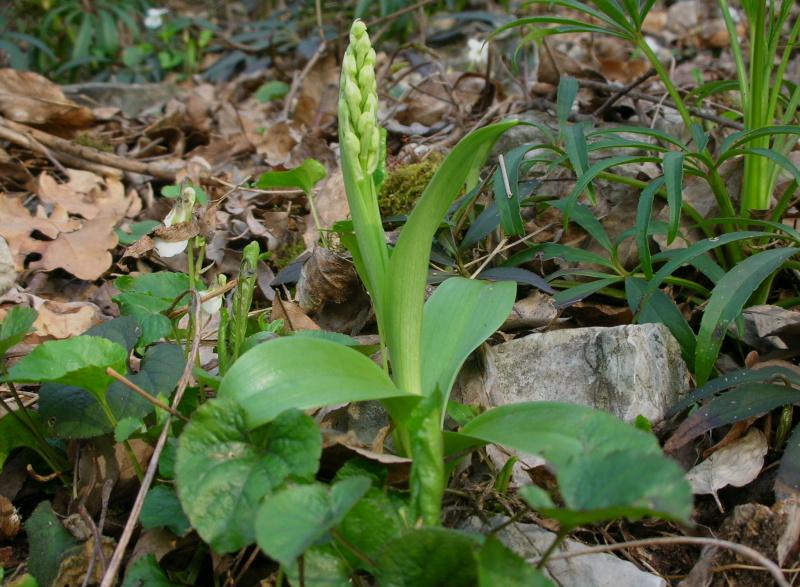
column 642, row 228
column 136, row 230
column 552, row 250
column 48, row 540
column 499, row 565
column 224, row 469
column 404, row 297
column 146, row 296
column 163, row 510
column 567, row 92
column 429, row 557
column 295, row 518
column 15, row 326
column 73, row 412
column 80, row 361
column 323, row 566
column 271, row 90
column 787, row 482
column 275, row 376
column 15, row 434
column 727, row 300
column 597, row 458
column 584, row 217
column 583, row 290
column 375, row 519
column 456, row 319
column 304, row 177
column 146, row 571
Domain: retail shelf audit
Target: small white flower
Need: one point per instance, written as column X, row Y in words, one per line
column 477, row 52
column 181, row 212
column 211, row 307
column 155, row 17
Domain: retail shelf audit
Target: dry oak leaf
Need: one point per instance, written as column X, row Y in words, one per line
column 17, row 224
column 10, row 520
column 85, row 253
column 30, row 98
column 736, row 464
column 65, row 319
column 86, row 194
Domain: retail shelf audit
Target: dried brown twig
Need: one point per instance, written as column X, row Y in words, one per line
column 152, row 467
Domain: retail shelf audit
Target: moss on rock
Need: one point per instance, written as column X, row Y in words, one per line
column 404, row 185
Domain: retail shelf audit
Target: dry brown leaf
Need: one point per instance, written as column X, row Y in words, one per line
column 17, row 224
column 76, row 562
column 85, row 253
column 318, row 98
column 86, row 194
column 10, row 520
column 736, row 464
column 65, row 319
column 294, row 318
column 30, row 98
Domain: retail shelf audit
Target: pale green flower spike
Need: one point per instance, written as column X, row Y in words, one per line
column 358, row 104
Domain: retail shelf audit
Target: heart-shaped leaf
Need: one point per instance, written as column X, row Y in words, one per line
column 224, row 470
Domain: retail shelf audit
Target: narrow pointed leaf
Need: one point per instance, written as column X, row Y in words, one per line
column 726, row 303
column 673, row 177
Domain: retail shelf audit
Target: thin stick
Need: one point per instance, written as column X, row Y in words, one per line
column 152, row 467
column 616, row 96
column 160, row 170
column 209, row 296
column 504, row 175
column 741, row 549
column 259, row 191
column 489, row 257
column 139, row 391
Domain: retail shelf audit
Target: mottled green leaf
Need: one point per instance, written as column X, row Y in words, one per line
column 224, row 469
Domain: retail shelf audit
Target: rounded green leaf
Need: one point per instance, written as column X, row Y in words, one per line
column 598, row 459
column 223, row 470
column 295, row 518
column 302, row 373
column 80, row 361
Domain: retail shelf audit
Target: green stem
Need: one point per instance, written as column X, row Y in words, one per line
column 562, row 535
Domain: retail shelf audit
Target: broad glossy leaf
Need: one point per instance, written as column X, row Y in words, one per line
column 224, row 469
column 294, row 518
column 48, row 540
column 499, row 565
column 15, row 327
column 487, row 221
column 302, row 373
column 73, row 412
column 146, row 296
column 409, row 262
column 596, row 458
column 749, row 400
column 429, row 557
column 80, row 361
column 162, row 509
column 456, row 319
column 323, row 566
column 661, row 309
column 726, row 303
column 305, row 176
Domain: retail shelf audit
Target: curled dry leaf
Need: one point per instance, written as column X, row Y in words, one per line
column 10, row 520
column 65, row 319
column 30, row 98
column 736, row 464
column 293, row 317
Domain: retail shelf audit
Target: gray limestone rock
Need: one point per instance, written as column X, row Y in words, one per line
column 625, row 370
column 7, row 273
column 591, row 570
